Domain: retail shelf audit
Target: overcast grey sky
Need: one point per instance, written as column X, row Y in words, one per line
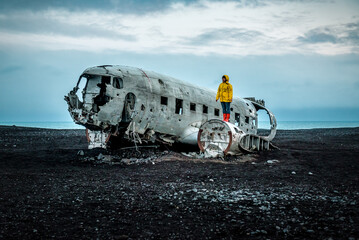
column 302, row 57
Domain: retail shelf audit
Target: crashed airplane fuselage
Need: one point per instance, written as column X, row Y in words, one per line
column 144, row 106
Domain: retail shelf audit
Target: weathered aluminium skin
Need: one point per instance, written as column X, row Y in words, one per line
column 144, row 106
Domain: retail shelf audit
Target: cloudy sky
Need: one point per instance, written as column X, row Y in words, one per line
column 301, row 56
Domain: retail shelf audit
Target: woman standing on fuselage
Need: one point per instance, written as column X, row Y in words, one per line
column 225, row 94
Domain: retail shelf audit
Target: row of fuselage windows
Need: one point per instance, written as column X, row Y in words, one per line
column 118, row 83
column 193, row 107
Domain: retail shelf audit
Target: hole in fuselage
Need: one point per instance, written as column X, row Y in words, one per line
column 264, row 124
column 179, row 106
column 129, row 107
column 101, row 99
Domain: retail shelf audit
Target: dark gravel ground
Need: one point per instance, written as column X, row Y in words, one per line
column 306, row 190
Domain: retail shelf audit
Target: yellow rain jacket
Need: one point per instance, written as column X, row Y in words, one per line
column 225, row 92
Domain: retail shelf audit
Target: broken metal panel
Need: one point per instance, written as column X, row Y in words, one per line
column 73, row 100
column 107, row 114
column 97, row 139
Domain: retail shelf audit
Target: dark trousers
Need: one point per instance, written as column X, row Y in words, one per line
column 226, row 106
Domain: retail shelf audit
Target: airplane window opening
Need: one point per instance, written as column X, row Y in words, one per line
column 92, row 83
column 106, row 79
column 179, row 106
column 82, row 86
column 117, row 83
column 205, row 109
column 216, row 112
column 231, row 109
column 237, row 118
column 192, row 106
column 247, row 120
column 264, row 123
column 164, row 100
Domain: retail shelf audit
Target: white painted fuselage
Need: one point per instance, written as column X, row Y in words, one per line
column 120, row 100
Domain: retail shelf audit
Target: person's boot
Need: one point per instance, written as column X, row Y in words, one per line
column 228, row 116
column 224, row 117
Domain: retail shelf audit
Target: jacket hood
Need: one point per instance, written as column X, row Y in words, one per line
column 226, row 77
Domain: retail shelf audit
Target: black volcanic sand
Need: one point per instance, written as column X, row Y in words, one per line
column 48, row 191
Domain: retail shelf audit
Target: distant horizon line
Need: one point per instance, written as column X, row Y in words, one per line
column 258, row 121
column 265, row 125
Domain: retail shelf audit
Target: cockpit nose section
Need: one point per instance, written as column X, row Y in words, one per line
column 105, row 102
column 98, row 90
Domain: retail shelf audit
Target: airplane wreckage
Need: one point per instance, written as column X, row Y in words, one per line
column 143, row 106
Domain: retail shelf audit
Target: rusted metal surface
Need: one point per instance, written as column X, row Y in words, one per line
column 144, row 106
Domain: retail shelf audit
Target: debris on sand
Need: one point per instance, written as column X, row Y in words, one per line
column 123, row 157
column 80, row 153
column 272, row 161
column 46, row 183
column 131, row 156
